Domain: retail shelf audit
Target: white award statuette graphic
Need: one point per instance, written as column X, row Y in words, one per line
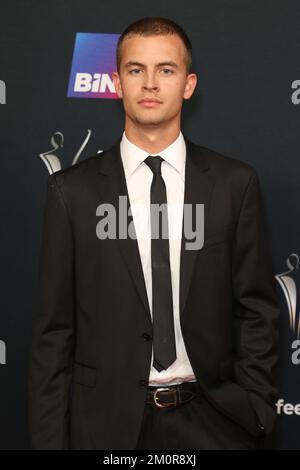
column 2, row 92
column 289, row 282
column 52, row 161
column 2, row 353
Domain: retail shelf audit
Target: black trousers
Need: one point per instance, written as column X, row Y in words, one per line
column 194, row 425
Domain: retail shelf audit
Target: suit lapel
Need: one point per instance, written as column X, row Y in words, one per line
column 198, row 189
column 112, row 184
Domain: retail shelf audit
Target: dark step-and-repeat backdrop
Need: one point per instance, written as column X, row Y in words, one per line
column 59, row 106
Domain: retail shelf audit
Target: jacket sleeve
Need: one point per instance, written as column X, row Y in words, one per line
column 53, row 331
column 255, row 307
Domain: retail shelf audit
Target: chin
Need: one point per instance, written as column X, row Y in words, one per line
column 149, row 119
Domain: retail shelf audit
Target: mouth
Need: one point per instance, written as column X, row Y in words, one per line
column 149, row 103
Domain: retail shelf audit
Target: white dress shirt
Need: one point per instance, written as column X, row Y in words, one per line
column 138, row 179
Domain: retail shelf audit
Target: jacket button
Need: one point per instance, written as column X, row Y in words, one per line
column 146, row 336
column 143, row 382
column 261, row 427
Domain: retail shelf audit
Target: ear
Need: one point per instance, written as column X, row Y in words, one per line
column 117, row 84
column 191, row 82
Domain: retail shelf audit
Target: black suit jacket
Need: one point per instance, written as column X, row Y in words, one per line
column 92, row 337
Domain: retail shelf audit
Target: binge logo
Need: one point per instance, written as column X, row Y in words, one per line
column 2, row 92
column 2, row 353
column 92, row 66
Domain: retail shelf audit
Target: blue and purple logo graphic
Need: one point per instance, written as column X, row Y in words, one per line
column 92, row 66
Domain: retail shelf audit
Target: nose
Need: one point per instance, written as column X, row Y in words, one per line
column 150, row 83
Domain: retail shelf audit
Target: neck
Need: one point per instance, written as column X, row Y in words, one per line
column 152, row 140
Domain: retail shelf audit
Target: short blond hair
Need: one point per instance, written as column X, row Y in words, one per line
column 155, row 26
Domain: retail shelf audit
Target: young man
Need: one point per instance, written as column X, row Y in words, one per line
column 146, row 342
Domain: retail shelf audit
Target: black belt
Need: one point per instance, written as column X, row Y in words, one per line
column 172, row 395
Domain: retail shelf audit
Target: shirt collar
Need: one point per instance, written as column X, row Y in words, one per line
column 133, row 156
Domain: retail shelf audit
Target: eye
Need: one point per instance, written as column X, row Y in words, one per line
column 167, row 70
column 134, row 70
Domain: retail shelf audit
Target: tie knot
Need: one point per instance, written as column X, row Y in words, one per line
column 154, row 163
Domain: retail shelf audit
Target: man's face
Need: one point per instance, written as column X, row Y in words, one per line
column 153, row 67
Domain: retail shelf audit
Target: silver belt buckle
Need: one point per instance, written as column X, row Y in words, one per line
column 164, row 405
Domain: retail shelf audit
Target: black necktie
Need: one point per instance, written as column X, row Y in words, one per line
column 162, row 303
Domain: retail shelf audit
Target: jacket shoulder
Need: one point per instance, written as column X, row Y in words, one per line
column 79, row 172
column 222, row 162
column 226, row 169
